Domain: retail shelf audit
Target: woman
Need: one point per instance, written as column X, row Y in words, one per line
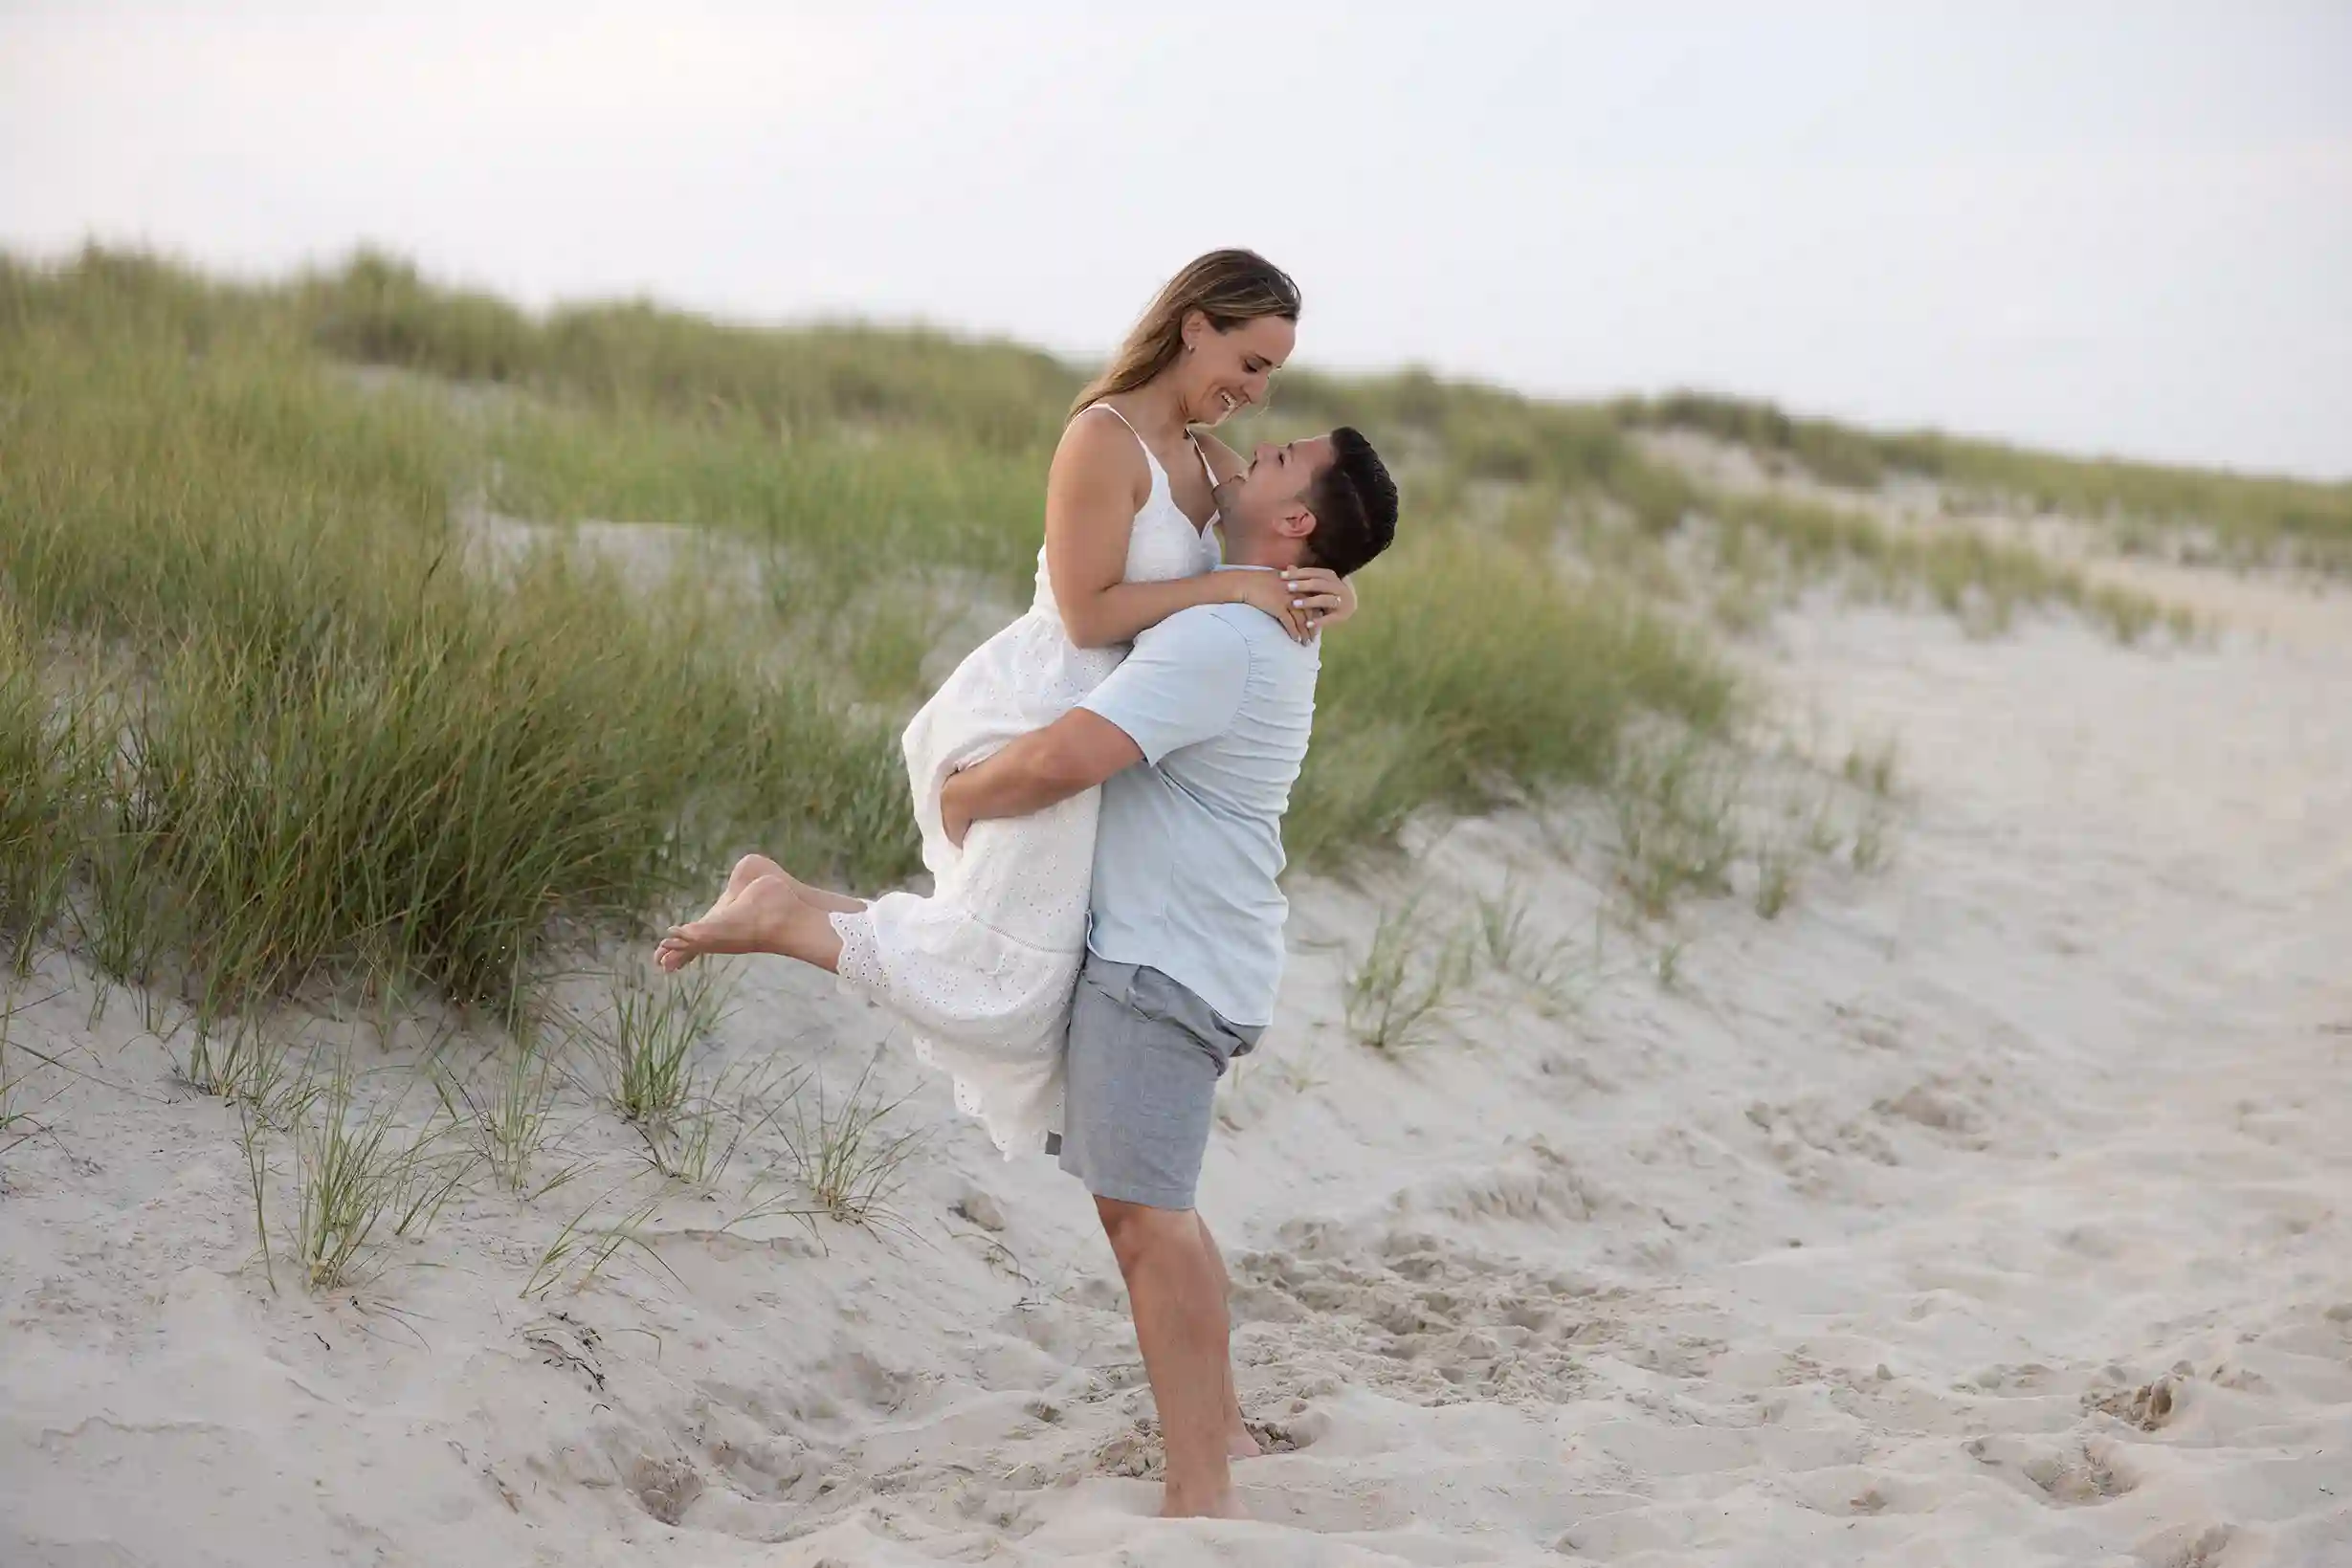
column 984, row 968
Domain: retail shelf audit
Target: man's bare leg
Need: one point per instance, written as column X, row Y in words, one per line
column 1180, row 1322
column 1238, row 1443
column 768, row 916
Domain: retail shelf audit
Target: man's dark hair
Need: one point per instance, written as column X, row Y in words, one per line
column 1354, row 502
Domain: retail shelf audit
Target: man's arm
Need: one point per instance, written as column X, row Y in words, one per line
column 1181, row 685
column 1044, row 767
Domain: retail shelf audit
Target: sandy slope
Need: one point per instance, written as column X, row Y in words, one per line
column 1988, row 1210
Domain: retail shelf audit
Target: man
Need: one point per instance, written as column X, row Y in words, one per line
column 1184, row 946
column 1196, row 739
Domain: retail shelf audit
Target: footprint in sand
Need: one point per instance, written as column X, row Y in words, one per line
column 2149, row 1406
column 2073, row 1476
column 2184, row 1546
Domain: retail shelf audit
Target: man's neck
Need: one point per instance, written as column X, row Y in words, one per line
column 1271, row 554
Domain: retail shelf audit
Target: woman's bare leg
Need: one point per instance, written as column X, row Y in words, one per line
column 752, row 867
column 824, row 898
column 768, row 916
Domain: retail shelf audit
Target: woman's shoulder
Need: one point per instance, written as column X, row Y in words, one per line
column 1097, row 447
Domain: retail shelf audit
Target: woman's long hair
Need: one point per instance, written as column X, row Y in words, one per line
column 1229, row 287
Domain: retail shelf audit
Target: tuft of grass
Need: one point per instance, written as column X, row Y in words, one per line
column 1677, row 831
column 850, row 1163
column 1776, row 878
column 1510, row 946
column 1404, row 987
column 1822, row 833
column 1869, row 852
column 15, row 1074
column 1513, row 947
column 12, row 1076
column 360, row 1172
column 699, row 1143
column 1873, row 768
column 1511, row 942
column 244, row 1060
column 1670, row 964
column 581, row 1251
column 253, row 1141
column 506, row 1111
column 646, row 1036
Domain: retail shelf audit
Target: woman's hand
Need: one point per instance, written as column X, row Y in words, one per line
column 1330, row 605
column 1272, row 593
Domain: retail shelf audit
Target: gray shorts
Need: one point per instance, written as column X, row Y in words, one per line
column 1144, row 1058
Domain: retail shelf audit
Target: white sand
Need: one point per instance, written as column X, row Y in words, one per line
column 1989, row 1210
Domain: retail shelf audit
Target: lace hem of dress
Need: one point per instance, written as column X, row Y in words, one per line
column 860, row 963
column 860, row 969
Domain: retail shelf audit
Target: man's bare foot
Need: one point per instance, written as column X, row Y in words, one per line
column 747, row 871
column 1222, row 1504
column 752, row 921
column 1240, row 1444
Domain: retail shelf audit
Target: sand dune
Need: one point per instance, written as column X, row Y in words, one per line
column 1989, row 1210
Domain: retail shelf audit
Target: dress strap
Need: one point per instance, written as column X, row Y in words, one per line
column 1131, row 429
column 1207, row 467
column 1215, row 512
column 1198, row 450
column 1159, row 474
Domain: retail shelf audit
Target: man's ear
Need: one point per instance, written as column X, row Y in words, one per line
column 1295, row 521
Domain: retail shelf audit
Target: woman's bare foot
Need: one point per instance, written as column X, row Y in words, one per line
column 1240, row 1444
column 755, row 920
column 757, row 867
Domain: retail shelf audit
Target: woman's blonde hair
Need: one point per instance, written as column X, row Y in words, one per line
column 1229, row 287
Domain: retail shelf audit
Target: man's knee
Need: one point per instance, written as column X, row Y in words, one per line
column 1138, row 1231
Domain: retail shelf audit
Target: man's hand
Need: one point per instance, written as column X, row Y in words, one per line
column 1044, row 767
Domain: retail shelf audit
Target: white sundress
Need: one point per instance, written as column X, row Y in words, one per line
column 984, row 969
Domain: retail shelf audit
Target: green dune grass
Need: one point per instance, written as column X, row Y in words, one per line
column 2249, row 516
column 265, row 719
column 338, row 744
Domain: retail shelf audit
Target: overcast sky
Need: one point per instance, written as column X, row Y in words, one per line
column 2120, row 228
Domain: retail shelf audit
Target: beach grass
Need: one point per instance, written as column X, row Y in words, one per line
column 647, row 1038
column 49, row 769
column 849, row 1152
column 2247, row 516
column 1408, row 982
column 267, row 719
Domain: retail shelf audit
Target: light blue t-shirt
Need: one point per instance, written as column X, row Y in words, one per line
column 1220, row 699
